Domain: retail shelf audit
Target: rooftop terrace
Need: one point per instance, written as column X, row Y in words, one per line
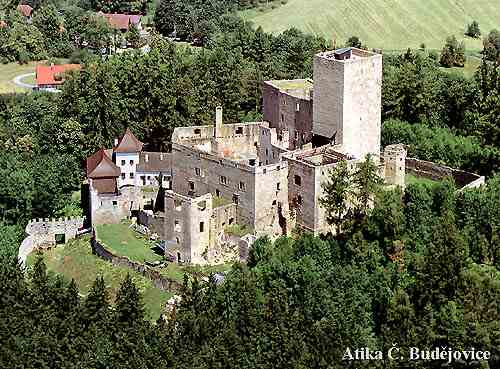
column 300, row 88
column 324, row 155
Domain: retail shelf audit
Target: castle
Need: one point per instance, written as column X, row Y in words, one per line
column 264, row 175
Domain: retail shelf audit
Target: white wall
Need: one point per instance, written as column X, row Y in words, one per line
column 127, row 168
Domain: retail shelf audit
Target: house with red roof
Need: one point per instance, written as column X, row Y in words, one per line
column 122, row 22
column 52, row 76
column 25, row 10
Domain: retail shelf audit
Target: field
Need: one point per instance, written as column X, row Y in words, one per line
column 123, row 241
column 412, row 179
column 386, row 24
column 11, row 70
column 75, row 260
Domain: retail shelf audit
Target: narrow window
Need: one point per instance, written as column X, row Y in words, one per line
column 231, row 220
column 217, row 192
column 197, row 171
column 239, row 130
column 197, row 131
column 123, row 175
column 131, row 162
column 223, row 180
column 191, row 185
column 277, row 186
column 242, row 186
column 115, row 203
column 236, row 198
column 202, row 227
column 123, row 162
column 177, row 226
column 298, row 180
column 251, row 162
column 299, row 200
column 131, row 175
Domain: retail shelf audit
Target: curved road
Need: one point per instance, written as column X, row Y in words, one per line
column 18, row 82
column 25, row 249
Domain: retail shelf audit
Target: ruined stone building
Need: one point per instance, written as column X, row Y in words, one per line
column 264, row 175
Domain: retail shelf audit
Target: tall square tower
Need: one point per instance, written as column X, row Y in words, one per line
column 347, row 99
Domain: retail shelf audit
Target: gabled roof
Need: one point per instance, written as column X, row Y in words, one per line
column 121, row 21
column 100, row 165
column 25, row 9
column 49, row 75
column 128, row 143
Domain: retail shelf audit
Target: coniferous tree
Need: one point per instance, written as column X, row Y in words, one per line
column 367, row 183
column 473, row 30
column 337, row 193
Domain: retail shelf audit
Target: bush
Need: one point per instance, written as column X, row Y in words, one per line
column 284, row 2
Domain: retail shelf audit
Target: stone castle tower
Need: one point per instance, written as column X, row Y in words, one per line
column 395, row 167
column 347, row 99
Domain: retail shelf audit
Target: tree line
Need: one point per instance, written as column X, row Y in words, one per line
column 419, row 269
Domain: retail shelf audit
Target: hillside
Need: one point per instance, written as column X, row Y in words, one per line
column 388, row 24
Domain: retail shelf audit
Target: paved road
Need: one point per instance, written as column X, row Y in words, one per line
column 18, row 82
column 24, row 250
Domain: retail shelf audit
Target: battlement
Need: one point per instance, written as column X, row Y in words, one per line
column 51, row 226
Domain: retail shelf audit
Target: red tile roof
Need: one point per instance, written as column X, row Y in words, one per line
column 128, row 143
column 48, row 75
column 121, row 21
column 100, row 165
column 25, row 10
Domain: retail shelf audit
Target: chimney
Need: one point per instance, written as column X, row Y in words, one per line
column 218, row 117
column 146, row 158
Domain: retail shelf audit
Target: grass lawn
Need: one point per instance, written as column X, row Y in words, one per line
column 412, row 179
column 471, row 65
column 74, row 260
column 386, row 24
column 11, row 70
column 124, row 241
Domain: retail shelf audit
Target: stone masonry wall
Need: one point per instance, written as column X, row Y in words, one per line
column 158, row 280
column 43, row 231
column 435, row 171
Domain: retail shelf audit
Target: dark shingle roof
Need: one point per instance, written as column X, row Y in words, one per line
column 156, row 162
column 128, row 143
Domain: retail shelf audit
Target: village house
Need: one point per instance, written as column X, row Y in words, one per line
column 122, row 22
column 26, row 11
column 51, row 77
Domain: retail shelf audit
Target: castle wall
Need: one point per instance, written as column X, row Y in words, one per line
column 436, row 171
column 286, row 111
column 188, row 226
column 270, row 147
column 43, row 231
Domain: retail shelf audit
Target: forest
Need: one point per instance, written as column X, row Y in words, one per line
column 419, row 269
